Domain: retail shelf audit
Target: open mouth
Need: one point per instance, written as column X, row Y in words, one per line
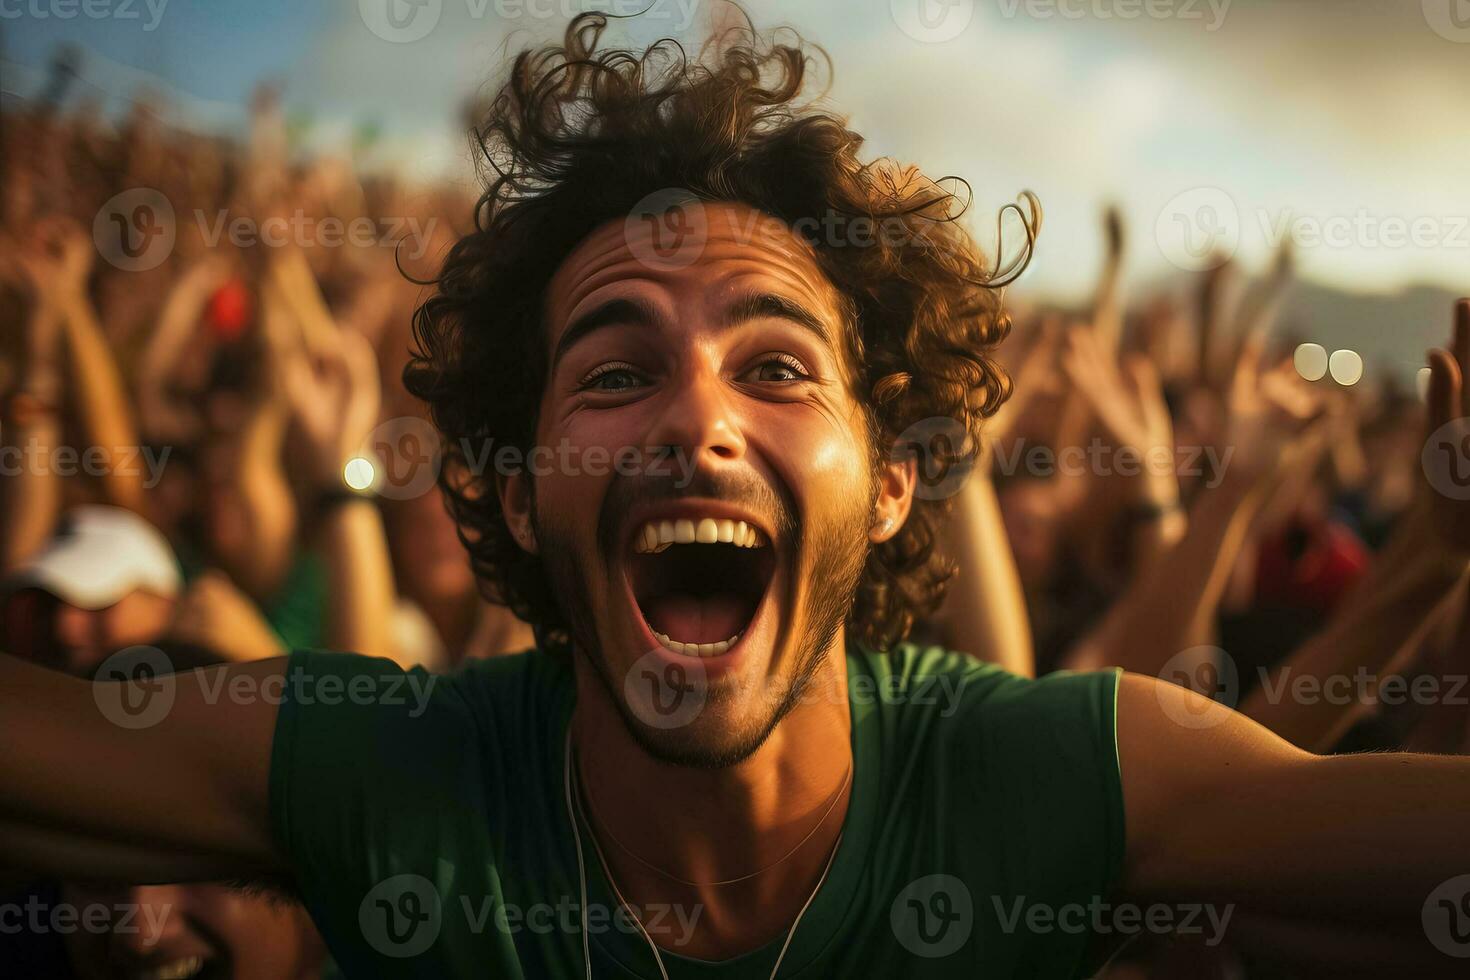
column 183, row 968
column 698, row 582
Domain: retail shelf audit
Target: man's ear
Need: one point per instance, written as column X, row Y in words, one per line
column 895, row 497
column 515, row 503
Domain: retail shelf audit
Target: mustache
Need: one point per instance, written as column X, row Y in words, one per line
column 742, row 487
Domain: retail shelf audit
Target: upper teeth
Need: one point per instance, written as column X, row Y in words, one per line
column 658, row 535
column 177, row 970
column 696, row 649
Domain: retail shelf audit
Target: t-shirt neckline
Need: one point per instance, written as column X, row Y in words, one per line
column 823, row 920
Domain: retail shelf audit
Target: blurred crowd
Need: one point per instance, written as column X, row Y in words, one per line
column 183, row 444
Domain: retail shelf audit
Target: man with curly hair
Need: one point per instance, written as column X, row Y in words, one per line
column 688, row 331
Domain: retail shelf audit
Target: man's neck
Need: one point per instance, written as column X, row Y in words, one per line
column 774, row 816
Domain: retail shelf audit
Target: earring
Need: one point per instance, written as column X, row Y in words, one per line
column 886, row 526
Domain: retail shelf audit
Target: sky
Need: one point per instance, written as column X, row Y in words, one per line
column 1214, row 124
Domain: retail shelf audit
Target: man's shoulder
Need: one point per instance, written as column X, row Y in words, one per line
column 932, row 688
column 531, row 673
column 909, row 668
column 503, row 698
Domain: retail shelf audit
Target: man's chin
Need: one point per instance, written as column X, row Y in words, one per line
column 680, row 716
column 718, row 739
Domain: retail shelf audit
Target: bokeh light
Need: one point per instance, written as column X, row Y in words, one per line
column 359, row 474
column 1310, row 361
column 1346, row 367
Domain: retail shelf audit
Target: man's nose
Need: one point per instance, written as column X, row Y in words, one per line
column 699, row 420
column 156, row 917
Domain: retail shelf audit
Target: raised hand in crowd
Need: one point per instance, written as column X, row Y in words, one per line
column 1412, row 583
column 1172, row 606
column 1127, row 400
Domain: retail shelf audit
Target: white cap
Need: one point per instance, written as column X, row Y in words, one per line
column 98, row 557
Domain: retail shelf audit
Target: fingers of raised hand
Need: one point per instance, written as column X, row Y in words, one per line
column 1461, row 349
column 1444, row 397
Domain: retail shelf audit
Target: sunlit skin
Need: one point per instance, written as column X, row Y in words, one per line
column 756, row 401
column 87, row 636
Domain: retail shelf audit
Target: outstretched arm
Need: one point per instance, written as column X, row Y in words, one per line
column 185, row 797
column 1220, row 809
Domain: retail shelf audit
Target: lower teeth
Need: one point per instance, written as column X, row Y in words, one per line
column 696, row 649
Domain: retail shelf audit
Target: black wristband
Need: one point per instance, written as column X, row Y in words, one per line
column 1148, row 512
column 334, row 498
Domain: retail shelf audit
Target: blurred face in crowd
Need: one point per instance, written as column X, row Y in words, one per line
column 85, row 637
column 1029, row 511
column 735, row 361
column 176, row 932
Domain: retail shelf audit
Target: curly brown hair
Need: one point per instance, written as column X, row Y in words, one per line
column 577, row 137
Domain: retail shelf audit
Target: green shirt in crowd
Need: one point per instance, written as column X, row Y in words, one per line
column 426, row 820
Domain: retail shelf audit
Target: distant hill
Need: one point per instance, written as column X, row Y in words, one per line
column 1390, row 330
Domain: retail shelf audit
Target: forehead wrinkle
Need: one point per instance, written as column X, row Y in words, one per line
column 756, row 244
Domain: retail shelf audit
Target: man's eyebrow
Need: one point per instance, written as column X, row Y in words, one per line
column 752, row 306
column 633, row 312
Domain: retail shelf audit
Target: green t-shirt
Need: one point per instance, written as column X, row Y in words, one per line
column 426, row 820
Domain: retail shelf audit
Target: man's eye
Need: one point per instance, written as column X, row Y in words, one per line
column 612, row 378
column 776, row 370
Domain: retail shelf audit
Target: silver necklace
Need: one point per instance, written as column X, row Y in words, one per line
column 574, row 812
column 821, row 821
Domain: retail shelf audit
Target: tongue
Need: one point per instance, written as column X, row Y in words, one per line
column 698, row 618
